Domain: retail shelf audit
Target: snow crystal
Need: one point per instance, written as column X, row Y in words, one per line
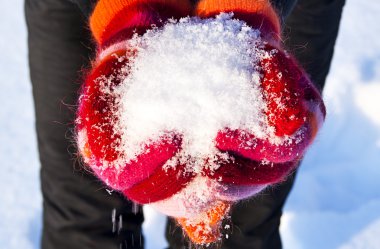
column 192, row 77
column 191, row 201
column 113, row 218
column 331, row 172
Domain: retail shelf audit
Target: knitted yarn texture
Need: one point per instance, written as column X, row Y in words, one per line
column 190, row 110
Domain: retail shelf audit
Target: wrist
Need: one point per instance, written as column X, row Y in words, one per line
column 113, row 20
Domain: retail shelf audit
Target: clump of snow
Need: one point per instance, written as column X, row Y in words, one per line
column 195, row 198
column 193, row 77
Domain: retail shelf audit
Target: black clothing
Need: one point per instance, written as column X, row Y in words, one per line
column 77, row 208
column 86, row 6
column 310, row 33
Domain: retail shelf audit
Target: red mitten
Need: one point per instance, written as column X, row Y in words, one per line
column 294, row 108
column 99, row 138
column 208, row 158
column 294, row 112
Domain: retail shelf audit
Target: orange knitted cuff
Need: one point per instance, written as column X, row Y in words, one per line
column 209, row 8
column 207, row 228
column 106, row 10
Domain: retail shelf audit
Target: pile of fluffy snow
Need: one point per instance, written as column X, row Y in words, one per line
column 335, row 202
column 193, row 77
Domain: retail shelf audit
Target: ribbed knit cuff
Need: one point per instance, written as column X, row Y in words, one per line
column 112, row 16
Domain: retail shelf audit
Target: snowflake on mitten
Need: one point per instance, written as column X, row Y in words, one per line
column 193, row 114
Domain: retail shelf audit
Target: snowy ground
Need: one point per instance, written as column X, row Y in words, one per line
column 336, row 200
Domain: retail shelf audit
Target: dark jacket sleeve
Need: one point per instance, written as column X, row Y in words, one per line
column 283, row 7
column 86, row 6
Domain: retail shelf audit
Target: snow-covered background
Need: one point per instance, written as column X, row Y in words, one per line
column 336, row 200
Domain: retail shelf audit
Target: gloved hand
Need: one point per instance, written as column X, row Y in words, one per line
column 159, row 173
column 99, row 141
